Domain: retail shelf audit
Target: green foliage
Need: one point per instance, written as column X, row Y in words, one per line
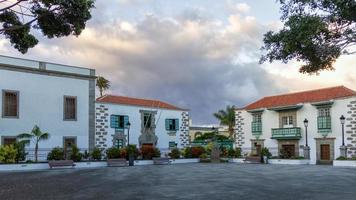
column 21, row 153
column 103, row 84
column 86, row 154
column 341, row 158
column 210, row 136
column 204, row 156
column 96, row 154
column 316, row 32
column 56, row 153
column 8, row 154
column 227, row 118
column 53, row 18
column 234, row 153
column 76, row 155
column 132, row 150
column 36, row 135
column 265, row 152
column 113, row 153
column 175, row 153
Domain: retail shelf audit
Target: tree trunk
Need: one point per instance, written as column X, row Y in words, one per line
column 36, row 152
column 101, row 92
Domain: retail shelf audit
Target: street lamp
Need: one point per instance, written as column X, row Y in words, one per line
column 128, row 124
column 306, row 131
column 342, row 120
column 306, row 148
column 131, row 157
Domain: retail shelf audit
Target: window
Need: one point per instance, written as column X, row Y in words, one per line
column 10, row 104
column 257, row 117
column 172, row 124
column 287, row 121
column 324, row 112
column 119, row 121
column 172, row 145
column 119, row 143
column 70, row 108
column 147, row 120
column 8, row 140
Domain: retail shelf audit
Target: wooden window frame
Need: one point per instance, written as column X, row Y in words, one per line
column 5, row 137
column 3, row 104
column 64, row 108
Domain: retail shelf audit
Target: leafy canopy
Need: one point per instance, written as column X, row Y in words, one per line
column 315, row 32
column 54, row 18
column 227, row 118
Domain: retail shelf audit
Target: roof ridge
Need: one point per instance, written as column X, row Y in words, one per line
column 313, row 90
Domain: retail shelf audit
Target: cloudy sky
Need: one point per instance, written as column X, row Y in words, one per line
column 196, row 54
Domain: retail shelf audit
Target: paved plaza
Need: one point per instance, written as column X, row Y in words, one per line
column 184, row 181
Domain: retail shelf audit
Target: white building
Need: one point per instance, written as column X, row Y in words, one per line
column 154, row 123
column 277, row 122
column 59, row 99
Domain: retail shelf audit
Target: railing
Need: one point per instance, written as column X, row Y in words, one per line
column 286, row 133
column 256, row 128
column 324, row 123
column 223, row 143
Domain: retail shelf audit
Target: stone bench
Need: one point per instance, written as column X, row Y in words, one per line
column 253, row 159
column 120, row 162
column 61, row 163
column 161, row 161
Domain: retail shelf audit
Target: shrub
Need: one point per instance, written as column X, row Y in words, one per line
column 265, row 152
column 76, row 156
column 203, row 156
column 231, row 153
column 86, row 155
column 113, row 153
column 21, row 153
column 123, row 153
column 132, row 149
column 8, row 154
column 96, row 154
column 341, row 158
column 197, row 151
column 148, row 152
column 56, row 153
column 238, row 153
column 175, row 153
column 224, row 152
column 187, row 152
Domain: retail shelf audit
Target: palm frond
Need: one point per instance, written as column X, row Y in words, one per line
column 44, row 136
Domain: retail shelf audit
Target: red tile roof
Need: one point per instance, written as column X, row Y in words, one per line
column 136, row 102
column 310, row 96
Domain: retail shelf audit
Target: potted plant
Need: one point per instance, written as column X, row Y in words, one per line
column 265, row 154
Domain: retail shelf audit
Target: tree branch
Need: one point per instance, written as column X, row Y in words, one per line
column 10, row 6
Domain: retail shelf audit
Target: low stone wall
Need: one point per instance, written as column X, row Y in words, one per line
column 344, row 163
column 289, row 161
column 237, row 160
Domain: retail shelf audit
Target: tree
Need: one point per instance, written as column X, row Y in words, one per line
column 102, row 84
column 54, row 18
column 227, row 118
column 36, row 136
column 315, row 32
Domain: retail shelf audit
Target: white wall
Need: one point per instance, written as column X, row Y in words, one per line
column 135, row 119
column 270, row 119
column 41, row 103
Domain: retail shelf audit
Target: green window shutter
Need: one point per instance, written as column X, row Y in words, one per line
column 176, row 124
column 114, row 121
column 126, row 120
column 167, row 124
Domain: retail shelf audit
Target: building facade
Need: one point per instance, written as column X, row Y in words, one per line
column 196, row 131
column 151, row 123
column 60, row 99
column 278, row 123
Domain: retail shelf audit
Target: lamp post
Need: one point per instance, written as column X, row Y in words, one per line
column 131, row 157
column 215, row 152
column 343, row 148
column 306, row 148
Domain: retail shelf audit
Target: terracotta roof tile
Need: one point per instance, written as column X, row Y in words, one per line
column 136, row 102
column 310, row 96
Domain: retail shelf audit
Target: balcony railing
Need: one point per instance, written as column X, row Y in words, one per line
column 256, row 128
column 286, row 133
column 324, row 123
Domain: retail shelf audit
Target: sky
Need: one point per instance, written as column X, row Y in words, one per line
column 200, row 55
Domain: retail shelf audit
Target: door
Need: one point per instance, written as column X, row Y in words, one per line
column 258, row 149
column 325, row 152
column 288, row 151
column 68, row 145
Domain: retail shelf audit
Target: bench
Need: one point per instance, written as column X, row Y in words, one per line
column 161, row 161
column 61, row 163
column 253, row 159
column 120, row 162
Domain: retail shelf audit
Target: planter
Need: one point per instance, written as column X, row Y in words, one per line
column 205, row 160
column 237, row 160
column 289, row 161
column 90, row 164
column 344, row 163
column 24, row 167
column 143, row 162
column 183, row 161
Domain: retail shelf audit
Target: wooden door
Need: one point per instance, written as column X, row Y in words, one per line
column 325, row 152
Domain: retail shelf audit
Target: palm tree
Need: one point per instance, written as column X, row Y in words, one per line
column 36, row 136
column 102, row 84
column 227, row 118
